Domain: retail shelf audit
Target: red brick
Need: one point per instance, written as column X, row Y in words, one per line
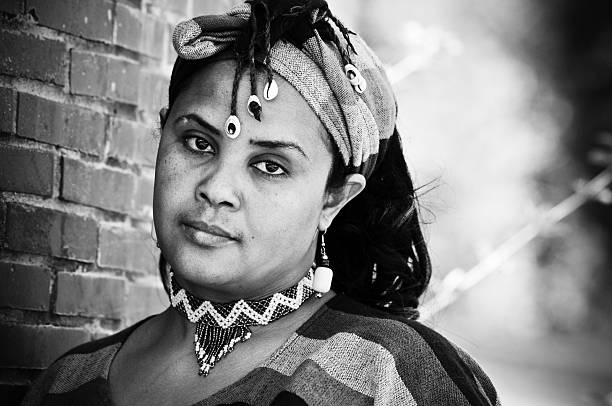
column 91, row 19
column 88, row 73
column 153, row 37
column 131, row 141
column 153, row 92
column 33, row 58
column 134, row 3
column 171, row 52
column 122, row 78
column 2, row 223
column 8, row 110
column 177, row 6
column 98, row 186
column 11, row 6
column 127, row 249
column 24, row 346
column 60, row 124
column 124, row 139
column 144, row 300
column 24, row 287
column 144, row 197
column 146, row 152
column 129, row 27
column 86, row 294
column 202, row 7
column 103, row 76
column 26, row 171
column 49, row 232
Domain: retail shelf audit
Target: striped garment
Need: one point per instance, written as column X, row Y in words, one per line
column 346, row 354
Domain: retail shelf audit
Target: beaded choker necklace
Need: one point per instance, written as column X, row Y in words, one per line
column 220, row 326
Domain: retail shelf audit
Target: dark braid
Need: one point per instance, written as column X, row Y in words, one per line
column 237, row 75
column 344, row 54
column 345, row 32
column 253, row 107
column 267, row 40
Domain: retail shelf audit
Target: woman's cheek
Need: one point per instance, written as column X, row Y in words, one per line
column 292, row 212
column 170, row 189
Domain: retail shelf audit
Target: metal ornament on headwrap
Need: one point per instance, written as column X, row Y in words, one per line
column 331, row 67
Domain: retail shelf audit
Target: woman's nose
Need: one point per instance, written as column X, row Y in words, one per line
column 219, row 187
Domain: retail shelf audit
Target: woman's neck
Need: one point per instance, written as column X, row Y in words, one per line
column 276, row 280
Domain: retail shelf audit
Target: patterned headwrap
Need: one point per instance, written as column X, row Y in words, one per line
column 330, row 66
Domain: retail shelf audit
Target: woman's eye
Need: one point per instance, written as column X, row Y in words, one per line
column 270, row 168
column 197, row 144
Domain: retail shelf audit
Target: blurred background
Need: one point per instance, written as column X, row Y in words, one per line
column 504, row 112
column 502, row 105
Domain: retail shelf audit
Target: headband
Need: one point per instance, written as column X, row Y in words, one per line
column 330, row 66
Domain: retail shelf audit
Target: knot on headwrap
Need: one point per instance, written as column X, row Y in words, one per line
column 205, row 36
column 296, row 39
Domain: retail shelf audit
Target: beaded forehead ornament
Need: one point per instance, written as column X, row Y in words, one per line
column 302, row 41
column 220, row 326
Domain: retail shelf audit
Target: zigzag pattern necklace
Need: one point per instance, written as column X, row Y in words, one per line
column 220, row 326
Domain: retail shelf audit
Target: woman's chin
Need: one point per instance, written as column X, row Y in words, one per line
column 206, row 268
column 211, row 283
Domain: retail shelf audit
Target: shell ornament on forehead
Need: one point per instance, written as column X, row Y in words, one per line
column 264, row 23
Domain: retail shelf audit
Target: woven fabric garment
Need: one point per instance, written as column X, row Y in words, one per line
column 359, row 123
column 345, row 354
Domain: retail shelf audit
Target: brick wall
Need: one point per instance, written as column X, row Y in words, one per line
column 81, row 82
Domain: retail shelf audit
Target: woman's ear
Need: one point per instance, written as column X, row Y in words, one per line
column 338, row 197
column 163, row 116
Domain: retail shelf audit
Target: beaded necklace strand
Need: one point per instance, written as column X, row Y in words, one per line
column 220, row 326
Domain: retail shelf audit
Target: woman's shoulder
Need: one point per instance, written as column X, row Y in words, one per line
column 82, row 366
column 396, row 334
column 406, row 355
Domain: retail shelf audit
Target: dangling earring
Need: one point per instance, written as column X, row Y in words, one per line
column 323, row 275
column 154, row 235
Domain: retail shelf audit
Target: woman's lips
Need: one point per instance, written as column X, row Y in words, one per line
column 206, row 235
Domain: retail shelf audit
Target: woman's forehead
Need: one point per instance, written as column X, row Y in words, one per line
column 208, row 94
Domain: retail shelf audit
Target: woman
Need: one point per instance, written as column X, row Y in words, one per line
column 289, row 237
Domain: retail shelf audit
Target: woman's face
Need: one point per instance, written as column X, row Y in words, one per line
column 238, row 218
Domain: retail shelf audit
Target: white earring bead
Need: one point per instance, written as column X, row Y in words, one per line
column 322, row 279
